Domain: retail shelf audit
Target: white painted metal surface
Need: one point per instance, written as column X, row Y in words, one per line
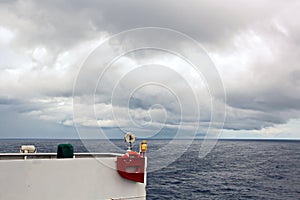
column 27, row 149
column 43, row 177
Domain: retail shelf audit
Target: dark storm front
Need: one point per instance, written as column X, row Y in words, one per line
column 233, row 170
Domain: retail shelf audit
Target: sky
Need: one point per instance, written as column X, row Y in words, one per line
column 84, row 69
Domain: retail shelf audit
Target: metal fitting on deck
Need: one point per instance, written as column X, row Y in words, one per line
column 28, row 149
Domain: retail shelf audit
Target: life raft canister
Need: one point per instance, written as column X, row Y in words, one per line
column 131, row 166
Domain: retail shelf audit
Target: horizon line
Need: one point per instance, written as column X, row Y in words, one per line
column 241, row 139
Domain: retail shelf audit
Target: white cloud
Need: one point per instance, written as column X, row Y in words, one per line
column 255, row 47
column 6, row 35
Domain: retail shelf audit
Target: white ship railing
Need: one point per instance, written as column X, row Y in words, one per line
column 24, row 156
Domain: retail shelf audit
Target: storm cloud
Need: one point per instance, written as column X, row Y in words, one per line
column 255, row 47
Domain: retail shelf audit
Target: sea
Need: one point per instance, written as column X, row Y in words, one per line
column 233, row 169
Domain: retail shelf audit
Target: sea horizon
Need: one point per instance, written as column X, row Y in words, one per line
column 220, row 139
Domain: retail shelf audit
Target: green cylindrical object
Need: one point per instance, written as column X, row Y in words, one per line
column 65, row 151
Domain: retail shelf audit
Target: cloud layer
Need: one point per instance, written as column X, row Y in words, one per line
column 255, row 46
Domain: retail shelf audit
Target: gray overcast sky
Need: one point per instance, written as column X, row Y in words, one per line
column 255, row 46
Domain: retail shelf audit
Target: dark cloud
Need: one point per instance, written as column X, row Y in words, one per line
column 259, row 38
column 59, row 25
column 9, row 101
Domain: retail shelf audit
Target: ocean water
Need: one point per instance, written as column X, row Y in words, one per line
column 232, row 170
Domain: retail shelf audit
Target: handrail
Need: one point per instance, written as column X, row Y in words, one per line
column 21, row 156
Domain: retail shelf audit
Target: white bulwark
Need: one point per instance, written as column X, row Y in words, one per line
column 86, row 176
